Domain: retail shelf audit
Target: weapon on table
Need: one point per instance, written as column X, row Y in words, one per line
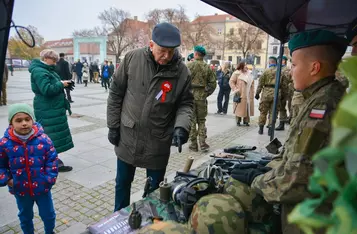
column 239, row 149
column 147, row 186
column 227, row 155
column 227, row 165
column 273, row 146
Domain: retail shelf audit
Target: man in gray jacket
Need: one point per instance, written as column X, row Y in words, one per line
column 149, row 107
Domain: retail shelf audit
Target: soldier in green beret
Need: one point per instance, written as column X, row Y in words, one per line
column 203, row 85
column 267, row 87
column 284, row 181
column 190, row 58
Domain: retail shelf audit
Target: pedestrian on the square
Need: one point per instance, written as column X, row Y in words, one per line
column 242, row 84
column 149, row 108
column 95, row 70
column 224, row 89
column 29, row 167
column 78, row 69
column 106, row 75
column 3, row 94
column 50, row 103
column 85, row 74
column 62, row 68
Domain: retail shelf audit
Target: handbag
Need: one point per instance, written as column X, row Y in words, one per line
column 236, row 98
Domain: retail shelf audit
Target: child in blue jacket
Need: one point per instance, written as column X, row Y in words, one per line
column 29, row 167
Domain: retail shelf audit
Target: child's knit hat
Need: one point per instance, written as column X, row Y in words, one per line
column 20, row 108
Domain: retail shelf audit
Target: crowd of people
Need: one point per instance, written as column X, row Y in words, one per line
column 156, row 101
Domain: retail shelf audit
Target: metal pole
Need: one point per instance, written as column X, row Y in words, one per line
column 276, row 92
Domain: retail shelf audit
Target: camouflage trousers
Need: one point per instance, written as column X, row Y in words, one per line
column 283, row 114
column 3, row 96
column 198, row 121
column 266, row 107
column 256, row 208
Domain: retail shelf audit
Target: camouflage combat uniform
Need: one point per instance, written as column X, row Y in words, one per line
column 168, row 227
column 286, row 183
column 216, row 214
column 283, row 117
column 267, row 87
column 203, row 85
column 298, row 98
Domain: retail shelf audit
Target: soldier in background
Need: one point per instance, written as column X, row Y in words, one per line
column 5, row 77
column 203, row 85
column 283, row 116
column 284, row 181
column 190, row 58
column 267, row 87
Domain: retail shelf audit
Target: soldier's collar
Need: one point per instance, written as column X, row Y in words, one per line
column 317, row 85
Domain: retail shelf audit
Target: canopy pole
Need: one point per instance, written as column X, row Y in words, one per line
column 276, row 91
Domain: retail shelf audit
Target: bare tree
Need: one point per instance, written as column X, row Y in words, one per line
column 95, row 32
column 122, row 36
column 199, row 33
column 245, row 38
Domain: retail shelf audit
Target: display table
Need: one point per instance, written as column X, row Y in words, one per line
column 117, row 222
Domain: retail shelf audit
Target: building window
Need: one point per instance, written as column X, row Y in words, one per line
column 230, row 45
column 257, row 60
column 239, row 58
column 231, row 31
column 209, row 56
column 275, row 50
column 219, row 57
column 219, row 31
column 230, row 58
column 258, row 45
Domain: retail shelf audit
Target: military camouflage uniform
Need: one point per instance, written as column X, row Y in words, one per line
column 216, row 214
column 298, row 98
column 287, row 182
column 168, row 227
column 283, row 117
column 203, row 85
column 267, row 87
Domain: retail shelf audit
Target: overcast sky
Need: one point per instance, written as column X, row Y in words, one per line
column 58, row 19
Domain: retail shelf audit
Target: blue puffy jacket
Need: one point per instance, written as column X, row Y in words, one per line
column 33, row 165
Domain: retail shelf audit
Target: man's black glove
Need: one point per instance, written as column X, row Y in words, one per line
column 257, row 96
column 247, row 176
column 180, row 137
column 114, row 136
column 70, row 86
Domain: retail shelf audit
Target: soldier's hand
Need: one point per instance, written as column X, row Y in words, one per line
column 257, row 96
column 180, row 137
column 114, row 136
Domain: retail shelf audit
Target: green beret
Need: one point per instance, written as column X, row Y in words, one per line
column 285, row 58
column 189, row 57
column 200, row 49
column 274, row 58
column 351, row 31
column 315, row 38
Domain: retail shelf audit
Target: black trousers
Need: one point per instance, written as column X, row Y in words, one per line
column 68, row 94
column 106, row 82
column 223, row 93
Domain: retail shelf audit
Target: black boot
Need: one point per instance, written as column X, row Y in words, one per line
column 261, row 128
column 269, row 131
column 238, row 119
column 280, row 127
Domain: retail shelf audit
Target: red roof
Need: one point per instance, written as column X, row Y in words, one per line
column 59, row 43
column 135, row 26
column 212, row 18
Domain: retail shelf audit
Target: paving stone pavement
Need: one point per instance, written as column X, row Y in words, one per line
column 86, row 194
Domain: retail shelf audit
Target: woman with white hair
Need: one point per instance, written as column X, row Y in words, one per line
column 50, row 103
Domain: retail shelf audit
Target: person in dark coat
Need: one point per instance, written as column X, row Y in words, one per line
column 50, row 104
column 224, row 89
column 78, row 69
column 62, row 68
column 149, row 107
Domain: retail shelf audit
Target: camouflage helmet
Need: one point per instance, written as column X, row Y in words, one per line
column 217, row 213
column 168, row 227
column 256, row 208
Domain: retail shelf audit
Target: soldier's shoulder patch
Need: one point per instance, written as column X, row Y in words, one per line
column 317, row 113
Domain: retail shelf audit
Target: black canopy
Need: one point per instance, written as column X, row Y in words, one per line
column 281, row 18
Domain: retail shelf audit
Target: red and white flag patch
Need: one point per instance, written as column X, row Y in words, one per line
column 317, row 114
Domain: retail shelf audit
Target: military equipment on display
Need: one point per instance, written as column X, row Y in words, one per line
column 334, row 179
column 239, row 149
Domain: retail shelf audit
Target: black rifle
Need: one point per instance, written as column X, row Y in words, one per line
column 239, row 149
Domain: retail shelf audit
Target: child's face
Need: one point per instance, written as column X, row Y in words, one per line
column 22, row 123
